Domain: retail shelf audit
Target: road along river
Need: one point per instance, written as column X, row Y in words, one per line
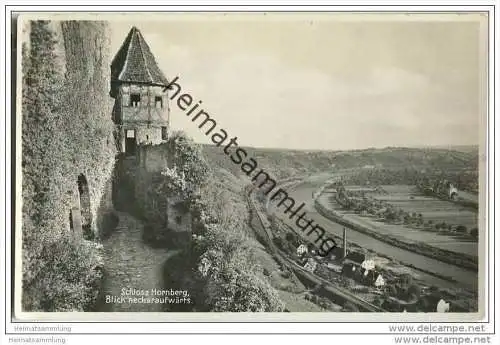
column 303, row 193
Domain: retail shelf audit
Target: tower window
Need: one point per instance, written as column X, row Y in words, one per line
column 163, row 133
column 135, row 100
column 158, row 102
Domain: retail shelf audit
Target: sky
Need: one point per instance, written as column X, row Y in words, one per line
column 324, row 81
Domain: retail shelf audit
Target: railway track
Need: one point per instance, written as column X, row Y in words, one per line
column 282, row 257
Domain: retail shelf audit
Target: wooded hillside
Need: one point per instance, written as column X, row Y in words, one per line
column 283, row 163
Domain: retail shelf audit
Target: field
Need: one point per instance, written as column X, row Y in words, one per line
column 469, row 197
column 434, row 209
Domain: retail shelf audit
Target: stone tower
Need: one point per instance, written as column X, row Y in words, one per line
column 141, row 111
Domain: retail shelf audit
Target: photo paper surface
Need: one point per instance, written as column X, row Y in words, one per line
column 260, row 166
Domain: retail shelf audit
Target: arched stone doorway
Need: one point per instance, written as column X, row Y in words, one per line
column 86, row 219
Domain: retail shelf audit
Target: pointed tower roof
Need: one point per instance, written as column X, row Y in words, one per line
column 134, row 62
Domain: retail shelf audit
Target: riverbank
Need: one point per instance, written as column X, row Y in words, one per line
column 443, row 255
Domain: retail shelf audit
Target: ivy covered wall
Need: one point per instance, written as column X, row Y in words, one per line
column 66, row 132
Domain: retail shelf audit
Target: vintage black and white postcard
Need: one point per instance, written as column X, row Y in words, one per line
column 251, row 166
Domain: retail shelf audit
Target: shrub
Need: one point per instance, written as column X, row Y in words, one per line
column 235, row 291
column 181, row 180
column 292, row 238
column 227, row 268
column 405, row 280
column 187, row 158
column 72, row 283
column 278, row 241
column 350, row 307
column 392, row 290
column 413, row 292
column 378, row 301
column 223, row 275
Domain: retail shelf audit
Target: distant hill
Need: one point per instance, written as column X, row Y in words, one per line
column 283, row 163
column 460, row 148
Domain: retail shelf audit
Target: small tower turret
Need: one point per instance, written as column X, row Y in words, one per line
column 141, row 111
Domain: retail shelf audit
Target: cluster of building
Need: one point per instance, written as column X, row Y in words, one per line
column 442, row 187
column 361, row 268
column 355, row 265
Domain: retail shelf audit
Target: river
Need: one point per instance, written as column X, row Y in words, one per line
column 464, row 278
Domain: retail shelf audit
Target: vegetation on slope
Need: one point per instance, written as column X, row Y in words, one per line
column 228, row 267
column 217, row 265
column 64, row 134
column 283, row 163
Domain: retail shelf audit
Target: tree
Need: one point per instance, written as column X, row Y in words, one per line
column 425, row 305
column 405, row 280
column 291, row 238
column 390, row 215
column 413, row 292
column 420, row 221
column 392, row 290
column 278, row 241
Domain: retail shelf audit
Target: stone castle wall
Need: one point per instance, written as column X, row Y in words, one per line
column 134, row 177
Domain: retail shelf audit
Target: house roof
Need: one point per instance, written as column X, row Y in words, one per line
column 135, row 63
column 356, row 257
column 337, row 252
column 373, row 275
